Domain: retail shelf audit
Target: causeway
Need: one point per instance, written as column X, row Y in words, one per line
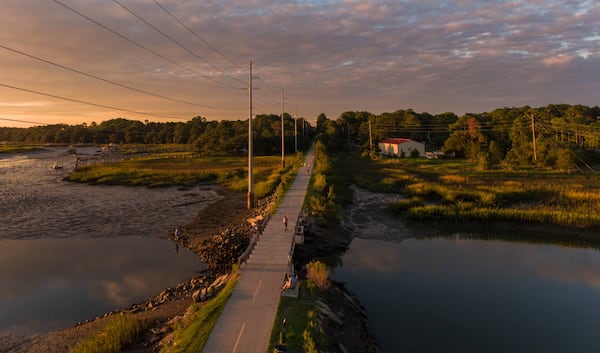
column 247, row 320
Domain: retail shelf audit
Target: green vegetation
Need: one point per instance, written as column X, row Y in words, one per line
column 322, row 199
column 119, row 331
column 457, row 191
column 191, row 334
column 298, row 313
column 184, row 169
column 172, row 150
column 485, row 187
column 18, row 148
column 566, row 136
column 223, row 137
column 302, row 332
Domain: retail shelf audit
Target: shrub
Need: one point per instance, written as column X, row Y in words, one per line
column 319, row 182
column 318, row 274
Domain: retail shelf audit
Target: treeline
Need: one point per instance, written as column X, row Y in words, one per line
column 564, row 134
column 208, row 137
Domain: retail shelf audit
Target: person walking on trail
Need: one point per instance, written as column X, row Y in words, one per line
column 284, row 221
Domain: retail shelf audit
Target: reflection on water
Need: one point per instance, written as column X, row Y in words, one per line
column 48, row 284
column 466, row 295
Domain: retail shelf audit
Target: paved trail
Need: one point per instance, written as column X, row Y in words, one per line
column 247, row 319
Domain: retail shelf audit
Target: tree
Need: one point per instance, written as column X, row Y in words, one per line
column 496, row 153
column 565, row 160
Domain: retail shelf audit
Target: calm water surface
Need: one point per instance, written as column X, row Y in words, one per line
column 49, row 284
column 70, row 252
column 464, row 295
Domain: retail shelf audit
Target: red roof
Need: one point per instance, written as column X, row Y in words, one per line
column 395, row 140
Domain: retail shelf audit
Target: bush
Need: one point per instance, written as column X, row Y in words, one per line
column 318, row 274
column 319, row 183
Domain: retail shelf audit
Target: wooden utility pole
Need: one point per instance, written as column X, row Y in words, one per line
column 282, row 130
column 250, row 183
column 370, row 141
column 533, row 133
column 296, row 131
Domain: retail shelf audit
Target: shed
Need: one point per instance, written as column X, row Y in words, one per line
column 401, row 147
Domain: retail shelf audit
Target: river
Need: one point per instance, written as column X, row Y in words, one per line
column 470, row 292
column 70, row 252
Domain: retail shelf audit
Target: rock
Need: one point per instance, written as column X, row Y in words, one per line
column 326, row 311
column 343, row 349
column 200, row 295
column 196, row 296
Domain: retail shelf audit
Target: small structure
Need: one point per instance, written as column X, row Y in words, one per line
column 401, row 147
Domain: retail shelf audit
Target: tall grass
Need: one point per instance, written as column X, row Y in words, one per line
column 186, row 170
column 454, row 190
column 18, row 148
column 119, row 331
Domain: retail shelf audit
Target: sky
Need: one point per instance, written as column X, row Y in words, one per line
column 79, row 61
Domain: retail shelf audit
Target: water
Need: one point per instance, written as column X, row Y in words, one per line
column 50, row 284
column 36, row 203
column 70, row 252
column 465, row 295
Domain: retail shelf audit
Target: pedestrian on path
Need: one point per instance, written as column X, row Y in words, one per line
column 284, row 222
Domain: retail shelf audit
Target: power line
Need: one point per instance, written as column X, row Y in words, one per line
column 172, row 39
column 88, row 103
column 109, row 81
column 195, row 34
column 24, row 121
column 140, row 45
column 268, row 88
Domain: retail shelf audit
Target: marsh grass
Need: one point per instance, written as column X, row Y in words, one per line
column 161, row 170
column 454, row 190
column 135, row 148
column 119, row 331
column 18, row 148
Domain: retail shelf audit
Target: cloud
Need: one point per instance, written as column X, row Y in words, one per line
column 402, row 54
column 558, row 60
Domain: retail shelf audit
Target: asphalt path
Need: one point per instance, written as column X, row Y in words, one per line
column 247, row 320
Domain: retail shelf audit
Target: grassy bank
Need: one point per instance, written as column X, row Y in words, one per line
column 191, row 334
column 184, row 169
column 18, row 148
column 455, row 191
column 302, row 331
column 119, row 331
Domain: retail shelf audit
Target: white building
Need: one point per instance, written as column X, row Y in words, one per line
column 401, row 147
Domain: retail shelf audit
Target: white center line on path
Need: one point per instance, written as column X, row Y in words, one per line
column 239, row 337
column 256, row 291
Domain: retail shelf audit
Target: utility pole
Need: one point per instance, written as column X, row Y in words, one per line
column 282, row 130
column 533, row 133
column 250, row 183
column 370, row 141
column 296, row 131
